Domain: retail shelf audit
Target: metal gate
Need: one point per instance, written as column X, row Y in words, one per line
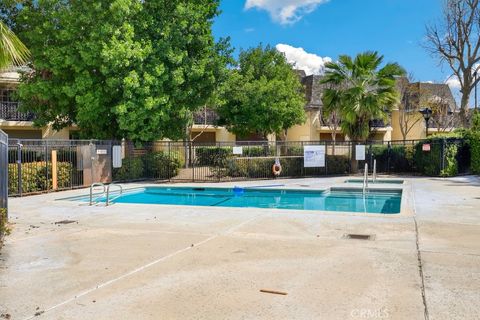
column 3, row 179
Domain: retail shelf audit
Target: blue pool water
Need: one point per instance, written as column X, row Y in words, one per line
column 375, row 201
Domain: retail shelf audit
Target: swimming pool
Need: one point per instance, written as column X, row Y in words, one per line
column 347, row 200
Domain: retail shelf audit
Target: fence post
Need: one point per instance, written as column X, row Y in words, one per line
column 19, row 167
column 54, row 170
column 371, row 154
column 389, row 156
column 193, row 156
column 326, row 157
column 443, row 156
column 47, row 185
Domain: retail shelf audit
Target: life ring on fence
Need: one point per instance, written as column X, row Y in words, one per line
column 276, row 169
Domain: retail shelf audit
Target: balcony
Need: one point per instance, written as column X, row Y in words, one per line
column 9, row 111
column 378, row 123
column 205, row 116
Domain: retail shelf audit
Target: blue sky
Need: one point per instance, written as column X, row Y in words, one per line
column 324, row 28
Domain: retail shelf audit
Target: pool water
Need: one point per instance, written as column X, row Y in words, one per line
column 375, row 201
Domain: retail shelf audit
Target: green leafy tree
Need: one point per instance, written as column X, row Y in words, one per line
column 12, row 50
column 360, row 91
column 118, row 68
column 263, row 95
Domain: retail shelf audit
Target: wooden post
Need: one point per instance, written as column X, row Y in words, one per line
column 54, row 170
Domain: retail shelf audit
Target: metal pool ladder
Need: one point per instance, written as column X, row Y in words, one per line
column 365, row 179
column 374, row 171
column 93, row 185
column 107, row 202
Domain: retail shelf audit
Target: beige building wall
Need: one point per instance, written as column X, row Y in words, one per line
column 306, row 131
column 415, row 122
column 221, row 133
column 26, row 130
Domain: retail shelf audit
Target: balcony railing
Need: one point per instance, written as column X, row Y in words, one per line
column 378, row 123
column 10, row 111
column 205, row 117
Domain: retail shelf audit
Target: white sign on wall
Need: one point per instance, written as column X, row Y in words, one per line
column 117, row 156
column 238, row 150
column 313, row 156
column 360, row 152
column 101, row 151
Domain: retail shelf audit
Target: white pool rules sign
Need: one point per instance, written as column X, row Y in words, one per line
column 313, row 156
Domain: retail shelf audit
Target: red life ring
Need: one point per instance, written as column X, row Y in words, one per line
column 276, row 169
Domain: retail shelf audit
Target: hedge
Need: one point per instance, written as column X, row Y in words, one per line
column 291, row 167
column 4, row 230
column 445, row 157
column 212, row 156
column 34, row 176
column 393, row 158
column 473, row 141
column 156, row 165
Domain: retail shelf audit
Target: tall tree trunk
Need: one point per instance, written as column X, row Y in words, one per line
column 464, row 108
column 353, row 160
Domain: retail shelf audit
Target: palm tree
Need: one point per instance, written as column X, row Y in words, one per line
column 360, row 91
column 12, row 50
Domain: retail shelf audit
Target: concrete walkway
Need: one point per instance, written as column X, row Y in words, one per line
column 172, row 262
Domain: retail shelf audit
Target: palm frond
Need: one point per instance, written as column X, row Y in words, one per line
column 12, row 50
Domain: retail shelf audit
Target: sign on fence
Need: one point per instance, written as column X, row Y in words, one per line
column 102, row 151
column 426, row 147
column 360, row 152
column 238, row 150
column 313, row 156
column 117, row 156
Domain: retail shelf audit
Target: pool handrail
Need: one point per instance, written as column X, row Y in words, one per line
column 93, row 185
column 374, row 177
column 365, row 179
column 108, row 200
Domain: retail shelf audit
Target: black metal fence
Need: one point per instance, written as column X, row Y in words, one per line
column 48, row 165
column 3, row 181
column 227, row 161
column 45, row 165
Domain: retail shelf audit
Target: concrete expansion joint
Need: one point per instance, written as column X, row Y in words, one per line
column 142, row 268
column 420, row 270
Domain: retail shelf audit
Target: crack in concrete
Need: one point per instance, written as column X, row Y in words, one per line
column 420, row 270
column 146, row 266
column 419, row 257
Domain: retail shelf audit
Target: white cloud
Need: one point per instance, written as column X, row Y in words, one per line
column 453, row 82
column 285, row 11
column 311, row 63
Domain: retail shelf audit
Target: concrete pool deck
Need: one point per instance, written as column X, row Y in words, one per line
column 175, row 262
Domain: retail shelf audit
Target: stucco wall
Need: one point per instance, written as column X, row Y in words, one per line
column 417, row 130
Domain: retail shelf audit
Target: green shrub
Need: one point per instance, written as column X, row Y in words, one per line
column 428, row 162
column 393, row 158
column 258, row 151
column 212, row 156
column 161, row 165
column 34, row 176
column 442, row 159
column 132, row 169
column 337, row 164
column 4, row 230
column 451, row 164
column 473, row 141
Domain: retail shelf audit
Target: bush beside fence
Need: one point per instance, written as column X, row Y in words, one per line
column 37, row 176
column 155, row 165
